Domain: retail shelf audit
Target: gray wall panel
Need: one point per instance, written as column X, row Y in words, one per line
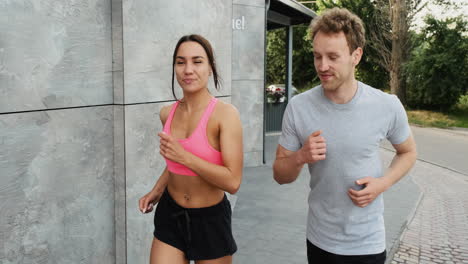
column 117, row 52
column 71, row 179
column 120, row 186
column 248, row 75
column 57, row 191
column 54, row 54
column 248, row 97
column 151, row 30
column 144, row 165
column 253, row 159
column 248, row 43
column 258, row 3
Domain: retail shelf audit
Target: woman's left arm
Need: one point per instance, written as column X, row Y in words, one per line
column 227, row 177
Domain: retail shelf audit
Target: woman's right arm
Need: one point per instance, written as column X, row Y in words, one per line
column 147, row 202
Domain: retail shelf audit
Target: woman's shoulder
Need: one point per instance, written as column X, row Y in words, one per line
column 164, row 112
column 226, row 116
column 224, row 110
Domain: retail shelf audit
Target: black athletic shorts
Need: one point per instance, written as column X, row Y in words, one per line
column 320, row 256
column 201, row 233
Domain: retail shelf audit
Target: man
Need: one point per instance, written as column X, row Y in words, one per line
column 336, row 128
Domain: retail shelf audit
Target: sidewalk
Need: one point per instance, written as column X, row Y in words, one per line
column 438, row 233
column 269, row 220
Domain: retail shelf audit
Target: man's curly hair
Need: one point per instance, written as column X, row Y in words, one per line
column 340, row 19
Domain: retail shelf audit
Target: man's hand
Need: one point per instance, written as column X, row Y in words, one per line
column 373, row 188
column 313, row 149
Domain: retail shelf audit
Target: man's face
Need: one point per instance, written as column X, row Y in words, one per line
column 332, row 60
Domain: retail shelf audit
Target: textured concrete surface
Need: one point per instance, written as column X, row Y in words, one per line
column 144, row 165
column 55, row 54
column 258, row 3
column 248, row 43
column 57, row 187
column 248, row 75
column 117, row 52
column 151, row 31
column 246, row 99
column 120, row 195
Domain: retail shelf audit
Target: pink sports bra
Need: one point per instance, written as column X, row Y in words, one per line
column 197, row 143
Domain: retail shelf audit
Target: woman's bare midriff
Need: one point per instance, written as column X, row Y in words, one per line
column 193, row 191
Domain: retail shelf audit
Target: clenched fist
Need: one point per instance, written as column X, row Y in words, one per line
column 314, row 148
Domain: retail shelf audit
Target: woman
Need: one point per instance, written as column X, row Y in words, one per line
column 202, row 145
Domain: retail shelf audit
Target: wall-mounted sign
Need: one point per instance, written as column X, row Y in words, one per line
column 238, row 23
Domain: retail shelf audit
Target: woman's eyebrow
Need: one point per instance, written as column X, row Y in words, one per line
column 193, row 58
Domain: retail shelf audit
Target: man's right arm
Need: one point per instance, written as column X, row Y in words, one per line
column 288, row 164
column 286, row 167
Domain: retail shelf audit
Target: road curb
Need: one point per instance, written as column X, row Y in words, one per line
column 461, row 131
column 430, row 162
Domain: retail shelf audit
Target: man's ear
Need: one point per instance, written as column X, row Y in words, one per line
column 357, row 55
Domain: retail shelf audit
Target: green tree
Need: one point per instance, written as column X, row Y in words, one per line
column 303, row 71
column 437, row 73
column 276, row 56
column 304, row 75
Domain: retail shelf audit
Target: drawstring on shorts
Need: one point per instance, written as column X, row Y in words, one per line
column 188, row 236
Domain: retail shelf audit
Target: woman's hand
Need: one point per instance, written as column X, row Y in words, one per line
column 171, row 149
column 147, row 202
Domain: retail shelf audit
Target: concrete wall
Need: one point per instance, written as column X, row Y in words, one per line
column 56, row 194
column 54, row 54
column 56, row 132
column 81, row 87
column 248, row 75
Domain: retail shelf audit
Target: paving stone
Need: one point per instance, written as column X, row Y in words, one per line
column 439, row 227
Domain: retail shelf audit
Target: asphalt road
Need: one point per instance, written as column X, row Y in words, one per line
column 442, row 147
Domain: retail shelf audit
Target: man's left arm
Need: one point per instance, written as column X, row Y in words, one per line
column 402, row 162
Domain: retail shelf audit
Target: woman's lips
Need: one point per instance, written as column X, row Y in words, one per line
column 188, row 81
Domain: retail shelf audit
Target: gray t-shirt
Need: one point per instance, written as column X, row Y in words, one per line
column 353, row 132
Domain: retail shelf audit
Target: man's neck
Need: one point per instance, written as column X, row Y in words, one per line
column 344, row 93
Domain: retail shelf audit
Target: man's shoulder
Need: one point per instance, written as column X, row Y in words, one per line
column 377, row 93
column 390, row 102
column 307, row 96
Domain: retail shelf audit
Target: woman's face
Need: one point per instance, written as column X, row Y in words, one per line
column 192, row 67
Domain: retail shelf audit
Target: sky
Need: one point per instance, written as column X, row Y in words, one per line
column 442, row 12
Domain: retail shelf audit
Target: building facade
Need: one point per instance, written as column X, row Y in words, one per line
column 81, row 87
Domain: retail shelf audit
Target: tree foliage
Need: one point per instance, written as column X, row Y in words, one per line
column 276, row 56
column 372, row 68
column 304, row 75
column 437, row 73
column 434, row 77
column 303, row 71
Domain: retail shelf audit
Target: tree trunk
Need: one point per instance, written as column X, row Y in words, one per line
column 399, row 35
